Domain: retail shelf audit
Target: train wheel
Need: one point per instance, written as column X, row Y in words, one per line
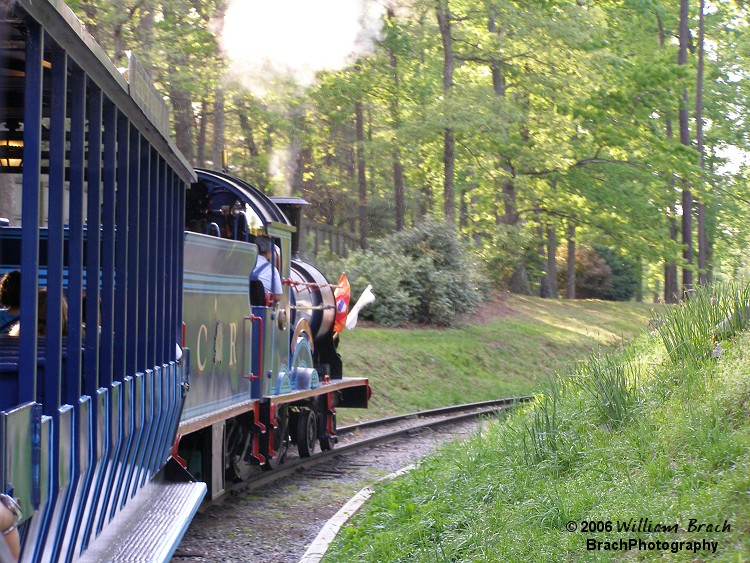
column 238, row 443
column 307, row 432
column 280, row 438
column 327, row 441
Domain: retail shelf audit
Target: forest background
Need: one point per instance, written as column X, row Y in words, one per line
column 552, row 135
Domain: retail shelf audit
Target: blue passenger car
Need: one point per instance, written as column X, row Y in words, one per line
column 92, row 193
column 154, row 374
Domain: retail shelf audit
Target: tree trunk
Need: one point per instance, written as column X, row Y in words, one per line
column 361, row 173
column 426, row 199
column 703, row 251
column 552, row 289
column 183, row 121
column 246, row 128
column 449, row 137
column 201, row 142
column 540, row 235
column 687, row 197
column 217, row 145
column 671, row 289
column 570, row 274
column 398, row 168
column 519, row 279
column 639, row 277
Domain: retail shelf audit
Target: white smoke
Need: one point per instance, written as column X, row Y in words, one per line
column 271, row 40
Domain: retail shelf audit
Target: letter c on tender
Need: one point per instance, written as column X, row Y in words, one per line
column 201, row 361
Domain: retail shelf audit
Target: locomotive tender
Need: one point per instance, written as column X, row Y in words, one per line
column 110, row 433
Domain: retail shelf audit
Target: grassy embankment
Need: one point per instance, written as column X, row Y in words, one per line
column 508, row 348
column 658, row 434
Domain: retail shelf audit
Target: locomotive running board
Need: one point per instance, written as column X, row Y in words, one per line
column 151, row 525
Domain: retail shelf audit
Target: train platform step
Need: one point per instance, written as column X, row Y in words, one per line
column 150, row 526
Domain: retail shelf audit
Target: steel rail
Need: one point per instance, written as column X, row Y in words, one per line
column 452, row 414
column 497, row 403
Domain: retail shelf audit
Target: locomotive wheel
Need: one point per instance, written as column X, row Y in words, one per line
column 327, row 442
column 280, row 438
column 238, row 442
column 306, row 432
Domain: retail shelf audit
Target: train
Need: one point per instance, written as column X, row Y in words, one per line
column 155, row 373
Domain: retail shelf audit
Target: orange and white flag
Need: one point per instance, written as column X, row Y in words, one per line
column 341, row 296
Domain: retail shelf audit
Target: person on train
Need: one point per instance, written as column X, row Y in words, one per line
column 10, row 297
column 264, row 271
column 10, row 300
column 10, row 515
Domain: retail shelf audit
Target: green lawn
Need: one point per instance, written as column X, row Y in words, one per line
column 508, row 353
column 650, row 449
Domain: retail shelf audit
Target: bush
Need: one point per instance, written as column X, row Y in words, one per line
column 601, row 273
column 422, row 275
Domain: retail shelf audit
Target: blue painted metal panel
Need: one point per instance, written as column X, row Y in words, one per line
column 64, row 460
column 163, row 408
column 108, row 245
column 83, row 464
column 32, row 148
column 118, row 442
column 134, row 248
column 55, row 236
column 100, row 452
column 129, row 435
column 93, row 243
column 144, row 247
column 141, row 462
column 138, row 438
column 220, row 268
column 35, row 529
column 20, row 426
column 75, row 233
column 121, row 327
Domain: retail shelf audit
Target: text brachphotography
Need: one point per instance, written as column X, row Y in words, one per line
column 674, row 546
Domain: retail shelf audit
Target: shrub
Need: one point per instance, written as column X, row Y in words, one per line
column 601, row 273
column 424, row 275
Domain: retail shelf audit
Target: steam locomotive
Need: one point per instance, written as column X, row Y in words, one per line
column 266, row 378
column 172, row 376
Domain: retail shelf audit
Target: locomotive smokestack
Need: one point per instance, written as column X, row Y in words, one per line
column 292, row 208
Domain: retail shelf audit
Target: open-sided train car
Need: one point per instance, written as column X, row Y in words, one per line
column 101, row 428
column 88, row 415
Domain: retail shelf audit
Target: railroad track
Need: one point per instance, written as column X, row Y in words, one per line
column 378, row 432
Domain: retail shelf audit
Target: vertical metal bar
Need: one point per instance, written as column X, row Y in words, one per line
column 144, row 245
column 32, row 147
column 56, row 234
column 174, row 235
column 121, row 327
column 134, row 249
column 153, row 258
column 108, row 243
column 77, row 90
column 165, row 334
column 93, row 241
column 180, row 195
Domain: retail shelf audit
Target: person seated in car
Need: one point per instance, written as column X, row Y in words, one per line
column 264, row 271
column 10, row 300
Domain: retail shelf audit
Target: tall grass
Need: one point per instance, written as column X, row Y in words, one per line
column 611, row 381
column 691, row 330
column 541, row 435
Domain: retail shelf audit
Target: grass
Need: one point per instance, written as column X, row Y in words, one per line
column 624, row 436
column 421, row 368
